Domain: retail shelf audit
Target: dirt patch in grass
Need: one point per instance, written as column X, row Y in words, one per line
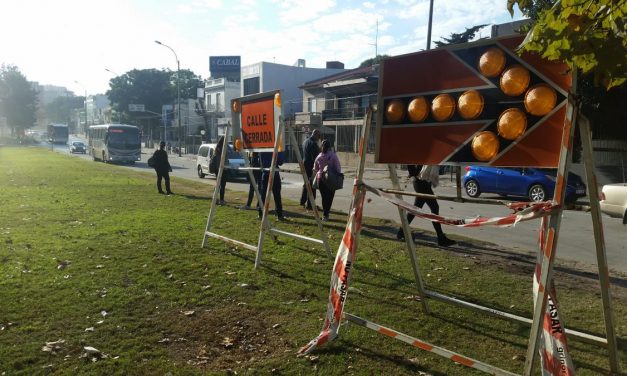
column 225, row 338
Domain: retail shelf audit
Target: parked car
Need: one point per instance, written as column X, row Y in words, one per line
column 233, row 162
column 536, row 184
column 614, row 200
column 77, row 147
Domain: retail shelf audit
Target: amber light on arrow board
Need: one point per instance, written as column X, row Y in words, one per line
column 470, row 104
column 540, row 100
column 515, row 80
column 277, row 99
column 418, row 110
column 395, row 111
column 485, row 145
column 512, row 124
column 492, row 62
column 237, row 144
column 443, row 107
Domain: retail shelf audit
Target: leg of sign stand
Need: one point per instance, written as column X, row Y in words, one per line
column 597, row 225
column 265, row 224
column 255, row 185
column 307, row 183
column 550, row 246
column 216, row 191
column 409, row 242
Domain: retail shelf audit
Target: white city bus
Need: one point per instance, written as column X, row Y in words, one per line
column 115, row 143
column 58, row 133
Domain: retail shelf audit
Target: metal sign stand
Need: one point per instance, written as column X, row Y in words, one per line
column 547, row 264
column 266, row 226
column 214, row 200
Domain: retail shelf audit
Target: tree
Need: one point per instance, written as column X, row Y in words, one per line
column 463, row 37
column 373, row 61
column 189, row 83
column 18, row 99
column 586, row 34
column 150, row 87
column 60, row 109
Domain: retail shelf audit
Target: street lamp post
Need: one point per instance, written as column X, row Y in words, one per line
column 85, row 105
column 178, row 91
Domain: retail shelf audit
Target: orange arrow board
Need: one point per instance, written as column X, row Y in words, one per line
column 482, row 104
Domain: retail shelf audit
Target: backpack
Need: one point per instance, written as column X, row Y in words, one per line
column 151, row 161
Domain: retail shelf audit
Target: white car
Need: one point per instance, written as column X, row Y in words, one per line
column 233, row 163
column 614, row 200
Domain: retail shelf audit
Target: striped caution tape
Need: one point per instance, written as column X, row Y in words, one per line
column 554, row 355
column 458, row 358
column 522, row 211
column 340, row 276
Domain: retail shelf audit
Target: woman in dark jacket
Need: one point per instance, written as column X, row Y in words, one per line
column 326, row 158
column 162, row 168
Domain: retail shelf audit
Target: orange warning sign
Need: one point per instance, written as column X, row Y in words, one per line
column 257, row 123
column 475, row 103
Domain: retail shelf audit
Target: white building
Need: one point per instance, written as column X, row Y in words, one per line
column 218, row 95
column 262, row 77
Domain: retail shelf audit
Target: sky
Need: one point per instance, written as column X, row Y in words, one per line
column 72, row 43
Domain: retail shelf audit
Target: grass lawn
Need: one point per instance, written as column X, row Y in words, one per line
column 91, row 255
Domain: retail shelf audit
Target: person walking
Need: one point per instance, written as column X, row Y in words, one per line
column 254, row 162
column 217, row 154
column 310, row 152
column 423, row 179
column 326, row 158
column 162, row 168
column 265, row 160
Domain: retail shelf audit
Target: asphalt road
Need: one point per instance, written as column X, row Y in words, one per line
column 576, row 242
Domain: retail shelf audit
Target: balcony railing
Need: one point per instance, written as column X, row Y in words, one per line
column 344, row 114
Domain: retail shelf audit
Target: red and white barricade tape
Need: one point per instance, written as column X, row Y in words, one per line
column 340, row 277
column 523, row 211
column 458, row 358
column 553, row 347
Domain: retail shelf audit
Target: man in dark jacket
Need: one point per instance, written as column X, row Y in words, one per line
column 310, row 152
column 425, row 185
column 162, row 168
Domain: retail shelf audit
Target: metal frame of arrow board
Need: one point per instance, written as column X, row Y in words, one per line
column 266, row 225
column 547, row 263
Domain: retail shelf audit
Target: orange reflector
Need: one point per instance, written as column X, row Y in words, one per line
column 418, row 110
column 540, row 100
column 470, row 104
column 492, row 62
column 237, row 144
column 443, row 107
column 515, row 80
column 395, row 111
column 485, row 145
column 512, row 124
column 277, row 99
column 235, row 106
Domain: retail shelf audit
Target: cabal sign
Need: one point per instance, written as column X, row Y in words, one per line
column 224, row 63
column 257, row 121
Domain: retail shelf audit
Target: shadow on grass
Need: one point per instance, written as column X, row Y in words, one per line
column 342, row 347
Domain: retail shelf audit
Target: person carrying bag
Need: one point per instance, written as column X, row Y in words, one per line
column 328, row 177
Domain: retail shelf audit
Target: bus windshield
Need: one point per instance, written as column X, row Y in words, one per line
column 123, row 138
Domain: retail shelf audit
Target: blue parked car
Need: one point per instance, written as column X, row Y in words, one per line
column 537, row 184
